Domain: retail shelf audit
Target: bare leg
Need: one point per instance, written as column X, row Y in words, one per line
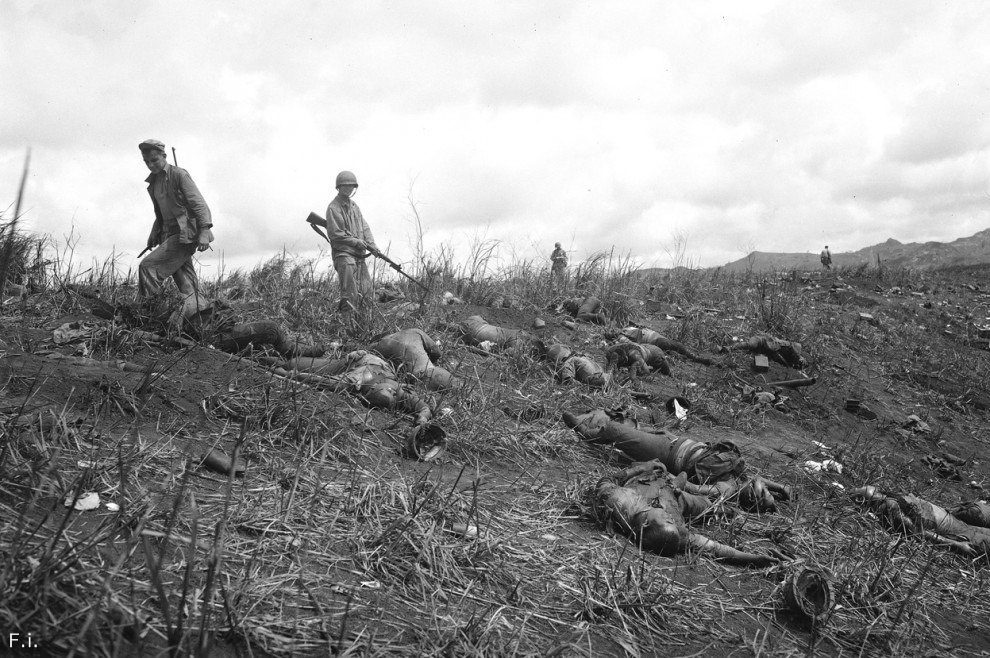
column 727, row 554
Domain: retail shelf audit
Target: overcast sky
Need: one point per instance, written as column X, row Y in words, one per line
column 717, row 127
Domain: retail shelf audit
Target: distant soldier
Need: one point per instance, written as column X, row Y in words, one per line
column 350, row 243
column 826, row 258
column 559, row 263
column 182, row 226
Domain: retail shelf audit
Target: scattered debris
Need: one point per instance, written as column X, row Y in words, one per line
column 678, row 407
column 943, row 468
column 857, row 408
column 426, row 442
column 466, row 530
column 218, row 461
column 808, row 592
column 89, row 500
column 73, row 331
column 915, row 424
column 824, row 466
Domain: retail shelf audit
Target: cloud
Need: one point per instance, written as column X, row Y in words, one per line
column 768, row 124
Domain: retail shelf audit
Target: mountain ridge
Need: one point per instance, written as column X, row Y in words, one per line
column 931, row 255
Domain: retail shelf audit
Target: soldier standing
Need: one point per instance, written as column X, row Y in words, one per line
column 183, row 225
column 351, row 242
column 559, row 263
column 826, row 258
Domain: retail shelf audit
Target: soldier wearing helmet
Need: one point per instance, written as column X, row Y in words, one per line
column 350, row 243
column 558, row 261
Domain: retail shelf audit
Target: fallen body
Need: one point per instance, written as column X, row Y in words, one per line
column 640, row 502
column 359, row 373
column 569, row 366
column 637, row 358
column 415, row 352
column 704, row 462
column 476, row 330
column 784, row 352
column 916, row 516
column 588, row 309
column 753, row 493
column 214, row 321
column 645, row 336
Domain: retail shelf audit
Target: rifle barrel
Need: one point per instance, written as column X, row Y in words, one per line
column 315, row 221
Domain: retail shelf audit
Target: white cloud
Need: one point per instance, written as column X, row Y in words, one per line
column 768, row 124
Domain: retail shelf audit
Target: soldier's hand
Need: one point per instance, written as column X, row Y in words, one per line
column 204, row 243
column 152, row 242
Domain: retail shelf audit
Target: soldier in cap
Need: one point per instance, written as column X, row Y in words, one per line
column 351, row 242
column 182, row 226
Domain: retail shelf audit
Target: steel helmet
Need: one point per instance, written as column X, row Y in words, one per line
column 346, row 178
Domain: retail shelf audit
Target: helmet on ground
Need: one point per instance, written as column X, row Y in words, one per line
column 346, row 178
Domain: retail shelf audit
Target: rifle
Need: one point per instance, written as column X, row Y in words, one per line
column 146, row 250
column 315, row 222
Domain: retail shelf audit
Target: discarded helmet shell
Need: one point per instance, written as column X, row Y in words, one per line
column 426, row 442
column 808, row 592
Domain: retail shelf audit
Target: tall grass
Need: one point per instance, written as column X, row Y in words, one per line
column 334, row 543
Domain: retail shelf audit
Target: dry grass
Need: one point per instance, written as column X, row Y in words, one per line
column 334, row 544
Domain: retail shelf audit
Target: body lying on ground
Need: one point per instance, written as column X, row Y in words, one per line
column 753, row 493
column 784, row 352
column 640, row 502
column 360, row 373
column 415, row 352
column 588, row 309
column 637, row 358
column 569, row 366
column 214, row 321
column 475, row 330
column 974, row 512
column 646, row 336
column 916, row 516
column 706, row 463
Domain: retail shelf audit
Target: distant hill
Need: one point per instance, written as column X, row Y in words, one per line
column 974, row 250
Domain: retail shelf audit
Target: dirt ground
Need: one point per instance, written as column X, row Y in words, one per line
column 335, row 541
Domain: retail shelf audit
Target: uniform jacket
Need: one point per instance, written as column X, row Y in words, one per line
column 186, row 206
column 348, row 231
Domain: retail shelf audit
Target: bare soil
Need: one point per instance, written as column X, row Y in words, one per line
column 335, row 542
